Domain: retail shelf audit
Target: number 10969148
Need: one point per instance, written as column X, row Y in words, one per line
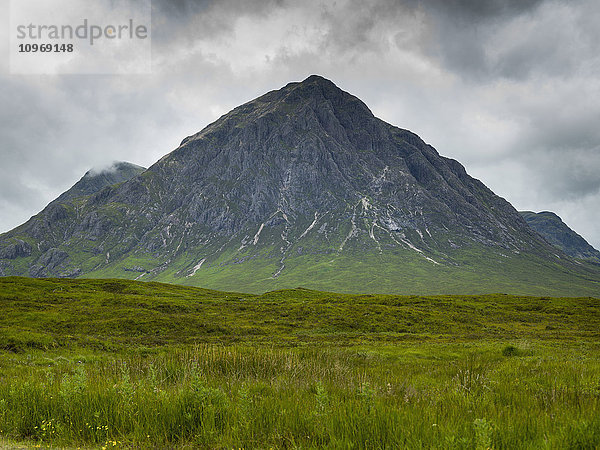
column 45, row 48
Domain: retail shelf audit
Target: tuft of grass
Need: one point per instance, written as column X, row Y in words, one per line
column 511, row 350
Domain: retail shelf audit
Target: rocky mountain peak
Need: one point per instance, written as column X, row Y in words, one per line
column 325, row 97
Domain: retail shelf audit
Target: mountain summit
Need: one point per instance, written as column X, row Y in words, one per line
column 98, row 178
column 301, row 186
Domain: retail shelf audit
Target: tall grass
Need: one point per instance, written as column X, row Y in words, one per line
column 114, row 363
column 244, row 397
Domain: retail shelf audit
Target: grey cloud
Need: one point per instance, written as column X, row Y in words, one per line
column 14, row 187
column 567, row 130
column 345, row 28
column 556, row 42
column 462, row 29
column 567, row 175
column 470, row 12
column 182, row 22
column 485, row 41
column 360, row 25
column 181, row 9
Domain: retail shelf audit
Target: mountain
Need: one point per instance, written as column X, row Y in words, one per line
column 556, row 232
column 92, row 182
column 302, row 186
column 95, row 180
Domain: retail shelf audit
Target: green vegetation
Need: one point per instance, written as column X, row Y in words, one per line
column 477, row 271
column 122, row 364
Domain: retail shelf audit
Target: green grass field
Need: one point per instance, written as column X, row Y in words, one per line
column 122, row 364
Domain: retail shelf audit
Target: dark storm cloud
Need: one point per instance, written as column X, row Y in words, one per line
column 181, row 9
column 511, row 39
column 469, row 12
column 184, row 10
column 170, row 21
column 184, row 21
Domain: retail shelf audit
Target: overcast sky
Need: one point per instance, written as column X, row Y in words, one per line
column 510, row 88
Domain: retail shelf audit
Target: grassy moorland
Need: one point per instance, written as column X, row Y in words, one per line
column 121, row 364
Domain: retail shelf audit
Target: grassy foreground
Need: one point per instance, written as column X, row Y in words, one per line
column 121, row 364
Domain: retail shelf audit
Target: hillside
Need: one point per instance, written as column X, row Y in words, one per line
column 104, row 314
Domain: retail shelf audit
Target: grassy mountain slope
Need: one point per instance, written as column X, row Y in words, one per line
column 403, row 273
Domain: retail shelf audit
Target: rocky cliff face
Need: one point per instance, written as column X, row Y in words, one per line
column 556, row 232
column 301, row 184
column 309, row 151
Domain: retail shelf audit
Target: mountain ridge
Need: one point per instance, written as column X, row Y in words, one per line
column 300, row 185
column 552, row 228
